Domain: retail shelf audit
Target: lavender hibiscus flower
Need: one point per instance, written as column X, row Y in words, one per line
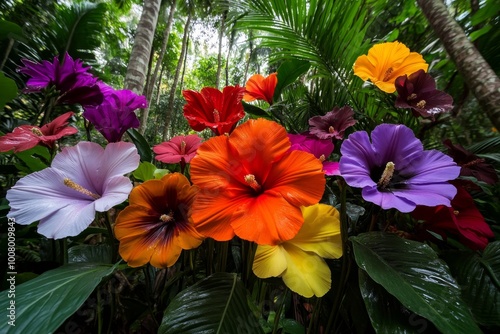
column 116, row 113
column 70, row 78
column 395, row 171
column 82, row 180
column 333, row 123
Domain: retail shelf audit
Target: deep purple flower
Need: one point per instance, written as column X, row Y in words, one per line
column 320, row 148
column 418, row 92
column 395, row 171
column 70, row 78
column 82, row 180
column 116, row 113
column 333, row 123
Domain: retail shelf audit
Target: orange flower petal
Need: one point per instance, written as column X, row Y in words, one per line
column 165, row 254
column 259, row 87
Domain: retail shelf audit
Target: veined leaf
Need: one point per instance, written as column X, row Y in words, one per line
column 288, row 72
column 217, row 304
column 412, row 272
column 8, row 88
column 43, row 303
column 90, row 254
column 142, row 145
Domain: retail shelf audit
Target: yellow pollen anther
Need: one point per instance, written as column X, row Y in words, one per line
column 37, row 131
column 322, row 158
column 183, row 147
column 331, row 129
column 252, row 182
column 216, row 116
column 388, row 73
column 386, row 175
column 167, row 218
column 421, row 104
column 79, row 188
column 412, row 96
column 456, row 212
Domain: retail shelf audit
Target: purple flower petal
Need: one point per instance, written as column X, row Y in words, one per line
column 333, row 124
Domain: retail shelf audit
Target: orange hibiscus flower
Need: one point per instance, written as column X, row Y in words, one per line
column 387, row 61
column 156, row 226
column 252, row 186
column 261, row 88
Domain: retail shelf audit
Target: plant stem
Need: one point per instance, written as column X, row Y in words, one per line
column 278, row 313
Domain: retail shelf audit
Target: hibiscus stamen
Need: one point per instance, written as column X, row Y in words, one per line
column 79, row 188
column 37, row 131
column 331, row 129
column 388, row 73
column 183, row 147
column 167, row 217
column 456, row 212
column 322, row 158
column 412, row 96
column 216, row 116
column 252, row 182
column 421, row 104
column 386, row 175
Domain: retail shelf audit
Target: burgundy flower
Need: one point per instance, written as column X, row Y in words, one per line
column 471, row 164
column 28, row 136
column 333, row 123
column 320, row 148
column 180, row 149
column 418, row 92
column 462, row 219
column 70, row 78
column 116, row 113
column 211, row 108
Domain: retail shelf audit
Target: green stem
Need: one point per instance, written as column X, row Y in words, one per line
column 63, row 249
column 278, row 313
column 210, row 256
column 222, row 256
column 110, row 238
column 314, row 315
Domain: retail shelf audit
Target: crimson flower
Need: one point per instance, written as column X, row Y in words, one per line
column 180, row 149
column 25, row 137
column 462, row 219
column 211, row 108
column 333, row 123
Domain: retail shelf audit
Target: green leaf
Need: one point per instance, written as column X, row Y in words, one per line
column 142, row 145
column 8, row 88
column 393, row 318
column 145, row 171
column 11, row 30
column 89, row 254
column 288, row 72
column 43, row 303
column 216, row 304
column 478, row 33
column 36, row 158
column 479, row 278
column 159, row 173
column 254, row 110
column 412, row 272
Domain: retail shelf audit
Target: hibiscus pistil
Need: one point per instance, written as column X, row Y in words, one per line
column 421, row 104
column 37, row 132
column 167, row 217
column 252, row 182
column 386, row 177
column 388, row 73
column 331, row 129
column 216, row 116
column 79, row 188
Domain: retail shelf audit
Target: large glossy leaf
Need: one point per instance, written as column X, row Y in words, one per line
column 142, row 145
column 288, row 72
column 412, row 272
column 217, row 304
column 90, row 254
column 43, row 303
column 479, row 279
column 8, row 88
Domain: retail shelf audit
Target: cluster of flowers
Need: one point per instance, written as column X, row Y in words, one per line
column 254, row 180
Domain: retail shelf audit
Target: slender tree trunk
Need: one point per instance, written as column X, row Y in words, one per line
column 228, row 55
column 152, row 82
column 181, row 85
column 219, row 55
column 250, row 55
column 170, row 107
column 143, row 42
column 478, row 75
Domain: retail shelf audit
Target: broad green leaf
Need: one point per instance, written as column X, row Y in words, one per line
column 412, row 272
column 479, row 279
column 36, row 158
column 490, row 10
column 89, row 254
column 393, row 318
column 142, row 145
column 43, row 303
column 145, row 171
column 11, row 30
column 254, row 110
column 478, row 33
column 159, row 173
column 288, row 72
column 8, row 90
column 216, row 304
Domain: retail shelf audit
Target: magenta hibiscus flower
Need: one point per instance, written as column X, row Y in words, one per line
column 333, row 123
column 394, row 171
column 178, row 149
column 82, row 180
column 320, row 148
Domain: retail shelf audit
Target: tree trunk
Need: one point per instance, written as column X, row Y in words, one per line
column 152, row 81
column 477, row 73
column 219, row 55
column 228, row 56
column 170, row 107
column 143, row 42
column 181, row 85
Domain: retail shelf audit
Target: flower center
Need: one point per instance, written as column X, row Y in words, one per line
column 183, row 147
column 388, row 73
column 456, row 212
column 167, row 217
column 331, row 129
column 79, row 188
column 322, row 158
column 412, row 96
column 216, row 116
column 250, row 180
column 386, row 175
column 421, row 104
column 37, row 131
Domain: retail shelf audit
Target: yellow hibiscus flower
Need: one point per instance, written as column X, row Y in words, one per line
column 387, row 61
column 299, row 261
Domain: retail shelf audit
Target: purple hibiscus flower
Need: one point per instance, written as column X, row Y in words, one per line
column 320, row 148
column 116, row 113
column 81, row 180
column 70, row 78
column 333, row 123
column 395, row 171
column 418, row 92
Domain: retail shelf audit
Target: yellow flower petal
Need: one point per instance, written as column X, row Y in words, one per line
column 269, row 261
column 307, row 273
